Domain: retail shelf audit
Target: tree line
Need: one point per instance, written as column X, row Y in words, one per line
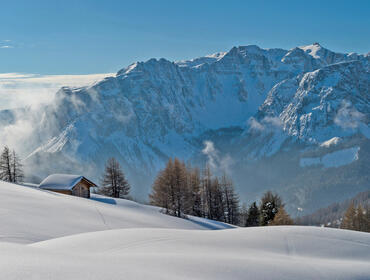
column 332, row 215
column 180, row 190
column 356, row 218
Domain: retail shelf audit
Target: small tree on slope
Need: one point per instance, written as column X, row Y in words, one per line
column 281, row 218
column 6, row 165
column 270, row 204
column 253, row 217
column 16, row 168
column 114, row 183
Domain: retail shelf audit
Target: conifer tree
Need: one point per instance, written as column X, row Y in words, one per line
column 243, row 215
column 231, row 201
column 270, row 204
column 16, row 168
column 171, row 189
column 361, row 221
column 207, row 193
column 6, row 173
column 160, row 192
column 348, row 221
column 253, row 216
column 114, row 183
column 195, row 192
column 281, row 218
column 356, row 218
column 216, row 205
column 180, row 188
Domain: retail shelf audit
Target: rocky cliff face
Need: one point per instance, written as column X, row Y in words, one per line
column 248, row 106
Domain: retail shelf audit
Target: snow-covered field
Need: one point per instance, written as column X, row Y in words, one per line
column 29, row 215
column 46, row 235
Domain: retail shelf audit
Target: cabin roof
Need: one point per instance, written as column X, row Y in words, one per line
column 62, row 182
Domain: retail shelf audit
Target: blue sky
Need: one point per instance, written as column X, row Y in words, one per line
column 82, row 37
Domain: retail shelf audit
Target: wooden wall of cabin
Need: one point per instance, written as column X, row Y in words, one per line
column 81, row 189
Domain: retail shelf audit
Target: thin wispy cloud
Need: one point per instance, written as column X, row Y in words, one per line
column 348, row 117
column 266, row 124
column 6, row 44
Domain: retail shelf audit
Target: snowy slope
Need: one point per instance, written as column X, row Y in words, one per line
column 29, row 215
column 249, row 253
column 102, row 238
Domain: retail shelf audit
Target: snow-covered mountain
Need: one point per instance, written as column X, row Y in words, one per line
column 265, row 115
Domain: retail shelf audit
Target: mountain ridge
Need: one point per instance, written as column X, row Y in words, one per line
column 264, row 101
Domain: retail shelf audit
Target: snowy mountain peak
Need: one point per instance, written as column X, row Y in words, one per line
column 313, row 50
column 250, row 102
column 217, row 55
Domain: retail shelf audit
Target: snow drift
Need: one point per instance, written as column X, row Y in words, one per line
column 29, row 215
column 103, row 238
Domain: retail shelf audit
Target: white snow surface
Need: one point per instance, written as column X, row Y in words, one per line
column 30, row 215
column 331, row 142
column 102, row 238
column 60, row 181
column 334, row 159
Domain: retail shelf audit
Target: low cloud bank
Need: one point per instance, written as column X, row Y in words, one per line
column 20, row 90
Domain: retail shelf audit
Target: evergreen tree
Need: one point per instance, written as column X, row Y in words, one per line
column 253, row 218
column 171, row 189
column 195, row 192
column 361, row 222
column 207, row 194
column 270, row 204
column 180, row 189
column 160, row 191
column 114, row 183
column 6, row 165
column 281, row 218
column 216, row 202
column 16, row 168
column 243, row 215
column 231, row 201
column 356, row 218
column 348, row 221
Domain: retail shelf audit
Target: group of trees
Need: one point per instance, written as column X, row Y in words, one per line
column 182, row 190
column 332, row 215
column 356, row 218
column 10, row 166
column 270, row 212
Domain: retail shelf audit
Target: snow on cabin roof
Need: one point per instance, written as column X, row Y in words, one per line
column 62, row 181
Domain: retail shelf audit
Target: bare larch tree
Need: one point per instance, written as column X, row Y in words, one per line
column 114, row 183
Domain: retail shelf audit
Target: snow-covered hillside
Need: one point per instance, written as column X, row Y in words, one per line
column 103, row 238
column 29, row 215
column 249, row 103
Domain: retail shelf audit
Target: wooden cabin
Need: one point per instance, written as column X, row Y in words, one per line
column 76, row 185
